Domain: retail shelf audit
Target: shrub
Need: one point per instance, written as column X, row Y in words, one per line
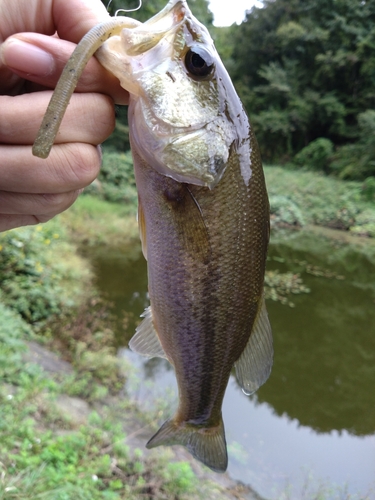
column 357, row 161
column 285, row 211
column 365, row 224
column 316, row 155
column 368, row 189
column 28, row 278
column 116, row 180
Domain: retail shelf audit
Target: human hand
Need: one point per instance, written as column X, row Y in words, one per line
column 33, row 190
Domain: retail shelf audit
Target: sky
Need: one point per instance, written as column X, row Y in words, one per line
column 227, row 12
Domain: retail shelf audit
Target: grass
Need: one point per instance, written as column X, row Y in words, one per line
column 303, row 197
column 48, row 294
column 92, row 222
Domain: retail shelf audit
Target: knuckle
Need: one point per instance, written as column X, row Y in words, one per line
column 79, row 165
column 103, row 117
column 50, row 205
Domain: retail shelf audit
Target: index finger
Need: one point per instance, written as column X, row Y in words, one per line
column 71, row 19
column 41, row 59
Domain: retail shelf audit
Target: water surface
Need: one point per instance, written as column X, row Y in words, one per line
column 311, row 427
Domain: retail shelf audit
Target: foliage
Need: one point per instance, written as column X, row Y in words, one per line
column 92, row 221
column 357, row 160
column 116, row 181
column 279, row 286
column 30, row 276
column 298, row 197
column 89, row 463
column 316, row 155
column 119, row 139
column 305, row 70
column 368, row 189
column 365, row 223
column 12, row 330
column 86, row 335
column 285, row 211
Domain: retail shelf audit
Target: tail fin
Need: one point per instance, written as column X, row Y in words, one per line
column 206, row 444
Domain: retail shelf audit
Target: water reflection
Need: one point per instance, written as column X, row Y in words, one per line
column 323, row 377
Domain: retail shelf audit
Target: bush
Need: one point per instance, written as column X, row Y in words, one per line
column 29, row 283
column 12, row 329
column 116, row 180
column 357, row 161
column 368, row 189
column 365, row 224
column 285, row 211
column 316, row 155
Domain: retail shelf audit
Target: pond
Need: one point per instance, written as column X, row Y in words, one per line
column 310, row 429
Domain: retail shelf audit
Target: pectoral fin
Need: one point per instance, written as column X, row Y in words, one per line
column 254, row 365
column 189, row 222
column 146, row 341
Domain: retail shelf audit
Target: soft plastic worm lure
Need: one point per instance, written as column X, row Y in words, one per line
column 69, row 79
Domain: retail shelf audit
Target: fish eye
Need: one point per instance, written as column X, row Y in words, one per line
column 198, row 62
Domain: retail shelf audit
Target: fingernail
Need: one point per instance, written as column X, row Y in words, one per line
column 22, row 56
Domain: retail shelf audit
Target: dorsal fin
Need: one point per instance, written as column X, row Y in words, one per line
column 146, row 341
column 254, row 365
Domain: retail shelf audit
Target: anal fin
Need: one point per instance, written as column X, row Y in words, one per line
column 254, row 365
column 146, row 341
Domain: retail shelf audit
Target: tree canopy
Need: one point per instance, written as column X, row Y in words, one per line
column 306, row 70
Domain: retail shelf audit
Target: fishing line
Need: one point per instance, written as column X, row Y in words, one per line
column 125, row 10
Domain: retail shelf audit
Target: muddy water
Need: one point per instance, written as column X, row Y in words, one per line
column 311, row 428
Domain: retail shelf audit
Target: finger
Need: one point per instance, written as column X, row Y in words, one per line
column 70, row 18
column 41, row 59
column 90, row 118
column 68, row 168
column 39, row 205
column 12, row 221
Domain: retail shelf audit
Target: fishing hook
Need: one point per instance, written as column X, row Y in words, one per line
column 125, row 10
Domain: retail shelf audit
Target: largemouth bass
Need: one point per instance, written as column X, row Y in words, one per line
column 203, row 216
column 204, row 222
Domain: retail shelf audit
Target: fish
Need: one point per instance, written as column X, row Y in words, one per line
column 203, row 214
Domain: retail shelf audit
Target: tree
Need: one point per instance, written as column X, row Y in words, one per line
column 305, row 69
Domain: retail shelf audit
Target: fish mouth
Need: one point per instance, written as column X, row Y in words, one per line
column 130, row 54
column 146, row 36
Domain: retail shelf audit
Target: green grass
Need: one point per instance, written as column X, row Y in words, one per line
column 303, row 197
column 92, row 221
column 48, row 294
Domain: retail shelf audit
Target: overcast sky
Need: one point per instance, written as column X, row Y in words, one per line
column 227, row 12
